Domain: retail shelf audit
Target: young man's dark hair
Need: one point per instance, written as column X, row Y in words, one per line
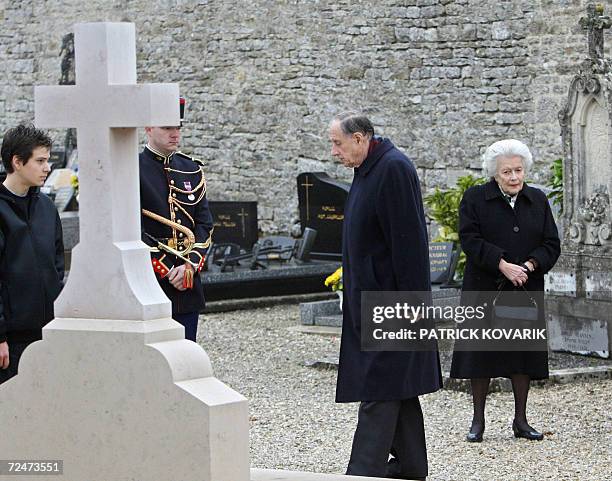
column 21, row 141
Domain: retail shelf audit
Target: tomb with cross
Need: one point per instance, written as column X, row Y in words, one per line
column 114, row 390
column 580, row 287
column 106, row 106
column 321, row 205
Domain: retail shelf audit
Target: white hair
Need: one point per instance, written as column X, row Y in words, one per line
column 505, row 148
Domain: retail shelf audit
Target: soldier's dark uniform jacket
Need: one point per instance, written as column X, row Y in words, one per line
column 173, row 188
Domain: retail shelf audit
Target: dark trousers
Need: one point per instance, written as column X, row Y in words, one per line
column 15, row 351
column 189, row 320
column 389, row 428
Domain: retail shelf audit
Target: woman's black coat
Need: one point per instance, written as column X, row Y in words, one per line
column 384, row 248
column 489, row 230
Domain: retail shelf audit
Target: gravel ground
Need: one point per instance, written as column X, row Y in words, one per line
column 296, row 425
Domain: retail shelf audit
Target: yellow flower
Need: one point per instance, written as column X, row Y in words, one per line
column 335, row 280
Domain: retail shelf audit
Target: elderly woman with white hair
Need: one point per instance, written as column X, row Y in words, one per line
column 508, row 233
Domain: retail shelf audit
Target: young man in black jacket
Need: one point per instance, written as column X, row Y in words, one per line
column 31, row 247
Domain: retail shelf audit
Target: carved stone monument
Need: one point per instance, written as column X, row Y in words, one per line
column 114, row 390
column 580, row 287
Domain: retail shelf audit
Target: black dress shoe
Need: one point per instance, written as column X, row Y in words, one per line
column 475, row 436
column 394, row 471
column 531, row 434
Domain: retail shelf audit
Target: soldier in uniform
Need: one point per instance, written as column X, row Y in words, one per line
column 176, row 221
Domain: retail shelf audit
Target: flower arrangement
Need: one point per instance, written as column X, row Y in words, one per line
column 74, row 182
column 335, row 280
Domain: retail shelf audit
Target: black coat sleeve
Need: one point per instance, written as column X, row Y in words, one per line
column 484, row 254
column 547, row 253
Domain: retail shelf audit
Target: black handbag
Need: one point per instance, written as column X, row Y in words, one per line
column 514, row 316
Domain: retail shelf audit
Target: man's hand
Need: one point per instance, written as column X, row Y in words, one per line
column 515, row 274
column 176, row 276
column 4, row 355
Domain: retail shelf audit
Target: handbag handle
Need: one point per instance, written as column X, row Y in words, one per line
column 499, row 291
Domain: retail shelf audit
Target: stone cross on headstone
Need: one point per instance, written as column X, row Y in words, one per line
column 243, row 215
column 307, row 185
column 106, row 106
column 595, row 23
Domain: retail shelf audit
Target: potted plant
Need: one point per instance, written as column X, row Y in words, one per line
column 556, row 183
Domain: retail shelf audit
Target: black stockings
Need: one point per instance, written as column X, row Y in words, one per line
column 480, row 388
column 520, row 388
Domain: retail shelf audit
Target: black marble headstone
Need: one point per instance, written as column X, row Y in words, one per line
column 57, row 158
column 235, row 222
column 321, row 203
column 440, row 256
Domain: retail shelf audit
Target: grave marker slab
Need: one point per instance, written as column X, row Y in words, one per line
column 321, row 204
column 579, row 335
column 560, row 283
column 598, row 285
column 57, row 158
column 440, row 256
column 235, row 222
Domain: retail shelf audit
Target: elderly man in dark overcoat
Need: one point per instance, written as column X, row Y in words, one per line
column 384, row 248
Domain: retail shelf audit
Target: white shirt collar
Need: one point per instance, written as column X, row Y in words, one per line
column 510, row 198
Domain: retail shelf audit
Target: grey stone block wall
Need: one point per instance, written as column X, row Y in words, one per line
column 442, row 79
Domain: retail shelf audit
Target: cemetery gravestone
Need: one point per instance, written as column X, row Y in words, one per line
column 113, row 389
column 321, row 204
column 57, row 158
column 440, row 256
column 581, row 284
column 235, row 222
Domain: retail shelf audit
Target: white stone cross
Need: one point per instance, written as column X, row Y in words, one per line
column 110, row 276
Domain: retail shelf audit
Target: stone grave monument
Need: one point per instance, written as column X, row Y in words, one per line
column 113, row 390
column 235, row 222
column 440, row 257
column 321, row 205
column 580, row 287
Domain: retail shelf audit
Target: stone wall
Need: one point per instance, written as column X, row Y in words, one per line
column 442, row 79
